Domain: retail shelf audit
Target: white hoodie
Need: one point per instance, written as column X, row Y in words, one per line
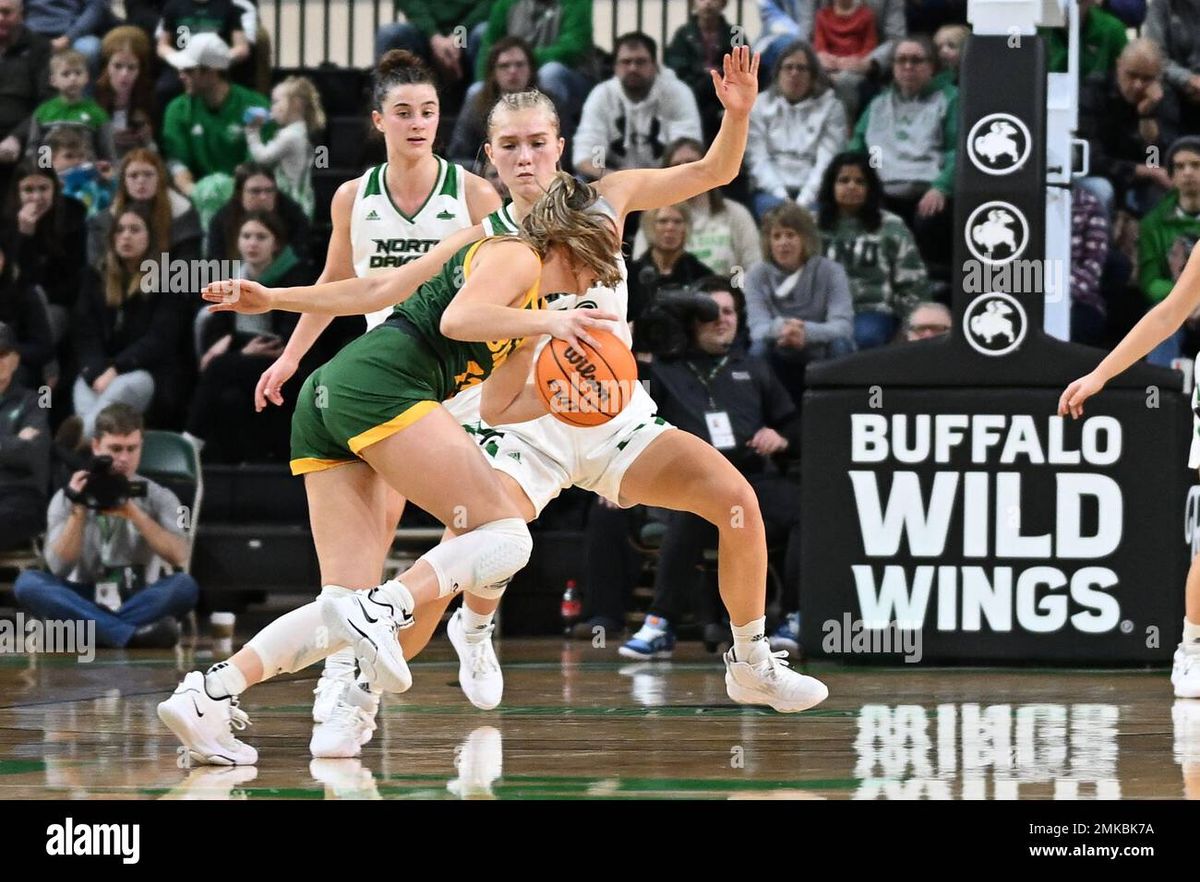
column 790, row 145
column 627, row 134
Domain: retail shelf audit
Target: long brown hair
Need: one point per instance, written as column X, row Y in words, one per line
column 121, row 284
column 160, row 203
column 566, row 216
column 51, row 232
column 133, row 40
column 491, row 88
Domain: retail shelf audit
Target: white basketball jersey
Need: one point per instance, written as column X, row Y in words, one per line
column 383, row 237
column 548, row 434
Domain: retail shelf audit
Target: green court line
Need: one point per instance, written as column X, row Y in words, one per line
column 21, row 767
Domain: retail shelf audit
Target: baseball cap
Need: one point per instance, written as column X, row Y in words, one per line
column 8, row 340
column 202, row 50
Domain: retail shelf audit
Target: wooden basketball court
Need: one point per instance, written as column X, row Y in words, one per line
column 578, row 722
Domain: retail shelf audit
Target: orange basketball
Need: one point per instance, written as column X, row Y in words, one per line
column 589, row 387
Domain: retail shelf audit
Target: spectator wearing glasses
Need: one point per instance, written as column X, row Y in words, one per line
column 254, row 189
column 926, row 321
column 629, row 120
column 796, row 127
column 912, row 129
column 1128, row 118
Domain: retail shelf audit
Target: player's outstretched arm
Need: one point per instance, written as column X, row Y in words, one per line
column 1155, row 326
column 353, row 296
column 640, row 189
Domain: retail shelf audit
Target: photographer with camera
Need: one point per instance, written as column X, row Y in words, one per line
column 713, row 389
column 109, row 534
column 24, row 452
column 667, row 266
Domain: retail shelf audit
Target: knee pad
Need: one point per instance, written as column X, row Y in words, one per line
column 491, row 592
column 487, row 556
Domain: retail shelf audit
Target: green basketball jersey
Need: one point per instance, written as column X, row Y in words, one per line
column 462, row 364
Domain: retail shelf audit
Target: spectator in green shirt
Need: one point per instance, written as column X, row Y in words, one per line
column 71, row 107
column 204, row 130
column 1167, row 235
column 560, row 32
column 446, row 33
column 1102, row 35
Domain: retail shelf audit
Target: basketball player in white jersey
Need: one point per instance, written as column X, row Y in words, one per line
column 637, row 458
column 391, row 215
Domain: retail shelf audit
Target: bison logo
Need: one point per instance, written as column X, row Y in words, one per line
column 998, row 144
column 994, row 324
column 996, row 232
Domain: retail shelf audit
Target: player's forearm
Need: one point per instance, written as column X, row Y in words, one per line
column 483, row 322
column 507, row 395
column 721, row 164
column 1155, row 326
column 353, row 296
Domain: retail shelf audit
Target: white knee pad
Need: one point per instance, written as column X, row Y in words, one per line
column 491, row 592
column 484, row 558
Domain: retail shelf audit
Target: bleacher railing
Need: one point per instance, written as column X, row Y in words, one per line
column 307, row 33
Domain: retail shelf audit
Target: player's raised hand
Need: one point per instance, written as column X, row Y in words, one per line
column 738, row 88
column 1073, row 397
column 238, row 295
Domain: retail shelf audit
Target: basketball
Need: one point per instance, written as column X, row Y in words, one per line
column 588, row 387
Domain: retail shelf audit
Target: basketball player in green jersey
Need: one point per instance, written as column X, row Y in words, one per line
column 375, row 408
column 389, row 216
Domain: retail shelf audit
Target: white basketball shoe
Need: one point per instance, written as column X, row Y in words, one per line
column 773, row 683
column 205, row 725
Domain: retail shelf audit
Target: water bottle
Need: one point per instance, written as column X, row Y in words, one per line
column 572, row 606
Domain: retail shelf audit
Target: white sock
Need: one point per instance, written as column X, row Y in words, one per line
column 393, row 591
column 476, row 624
column 360, row 695
column 750, row 641
column 223, row 680
column 1191, row 633
column 341, row 663
column 296, row 640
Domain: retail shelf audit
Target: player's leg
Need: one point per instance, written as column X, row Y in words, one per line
column 681, row 472
column 344, row 505
column 1185, row 672
column 470, row 628
column 338, row 674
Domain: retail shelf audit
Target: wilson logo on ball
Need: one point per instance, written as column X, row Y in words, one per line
column 588, row 385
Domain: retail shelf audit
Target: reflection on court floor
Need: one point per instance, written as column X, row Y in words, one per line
column 577, row 722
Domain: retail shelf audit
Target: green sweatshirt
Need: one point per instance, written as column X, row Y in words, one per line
column 1159, row 229
column 1103, row 37
column 572, row 43
column 443, row 16
column 208, row 140
column 884, row 267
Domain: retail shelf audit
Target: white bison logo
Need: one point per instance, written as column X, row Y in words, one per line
column 998, row 141
column 996, row 230
column 994, row 322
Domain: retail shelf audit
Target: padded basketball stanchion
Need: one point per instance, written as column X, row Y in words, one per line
column 954, row 502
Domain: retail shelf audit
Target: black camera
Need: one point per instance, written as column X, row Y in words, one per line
column 106, row 489
column 665, row 325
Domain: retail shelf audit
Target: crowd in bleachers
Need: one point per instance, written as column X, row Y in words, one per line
column 130, row 150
